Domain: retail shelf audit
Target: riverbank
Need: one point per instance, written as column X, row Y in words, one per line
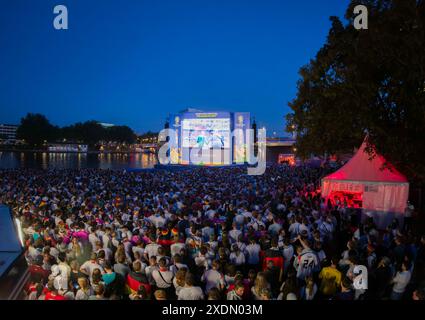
column 73, row 160
column 77, row 152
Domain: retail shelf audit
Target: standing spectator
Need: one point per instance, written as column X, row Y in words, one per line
column 237, row 292
column 330, row 279
column 190, row 291
column 400, row 281
column 164, row 278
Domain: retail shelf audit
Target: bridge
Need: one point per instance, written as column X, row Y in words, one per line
column 280, row 142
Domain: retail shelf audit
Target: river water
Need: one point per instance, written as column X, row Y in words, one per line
column 45, row 160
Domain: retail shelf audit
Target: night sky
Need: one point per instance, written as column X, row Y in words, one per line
column 133, row 62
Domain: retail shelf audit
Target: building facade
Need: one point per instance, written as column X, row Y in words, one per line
column 8, row 131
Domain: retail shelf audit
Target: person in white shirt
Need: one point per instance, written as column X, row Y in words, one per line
column 138, row 249
column 239, row 219
column 288, row 254
column 241, row 244
column 326, row 229
column 213, row 278
column 106, row 238
column 150, row 269
column 190, row 291
column 85, row 290
column 247, row 214
column 255, row 224
column 303, row 228
column 207, row 232
column 306, row 262
column 89, row 266
column 33, row 253
column 157, row 220
column 59, row 277
column 234, row 233
column 177, row 246
column 107, row 251
column 93, row 238
column 400, row 281
column 161, row 254
column 294, row 228
column 213, row 243
column 274, row 228
column 177, row 265
column 237, row 257
column 210, row 214
column 179, row 280
column 253, row 252
column 201, row 260
column 163, row 277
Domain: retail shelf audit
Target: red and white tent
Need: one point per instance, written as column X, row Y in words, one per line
column 382, row 191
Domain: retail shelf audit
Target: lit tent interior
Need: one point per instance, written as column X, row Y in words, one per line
column 371, row 184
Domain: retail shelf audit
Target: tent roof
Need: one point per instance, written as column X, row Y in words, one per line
column 360, row 168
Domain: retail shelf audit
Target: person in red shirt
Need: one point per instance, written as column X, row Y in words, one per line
column 52, row 293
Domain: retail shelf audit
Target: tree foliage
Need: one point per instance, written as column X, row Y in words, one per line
column 35, row 129
column 367, row 81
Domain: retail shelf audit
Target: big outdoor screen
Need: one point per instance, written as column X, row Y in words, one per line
column 206, row 133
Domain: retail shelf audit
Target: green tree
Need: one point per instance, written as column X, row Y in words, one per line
column 90, row 132
column 120, row 134
column 367, row 81
column 36, row 128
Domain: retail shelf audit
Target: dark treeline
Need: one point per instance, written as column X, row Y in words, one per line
column 36, row 129
column 367, row 81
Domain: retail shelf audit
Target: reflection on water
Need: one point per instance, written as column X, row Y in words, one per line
column 47, row 160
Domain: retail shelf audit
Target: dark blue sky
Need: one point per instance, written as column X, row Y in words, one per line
column 135, row 61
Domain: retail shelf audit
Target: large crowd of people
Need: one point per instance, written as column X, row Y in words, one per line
column 205, row 234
